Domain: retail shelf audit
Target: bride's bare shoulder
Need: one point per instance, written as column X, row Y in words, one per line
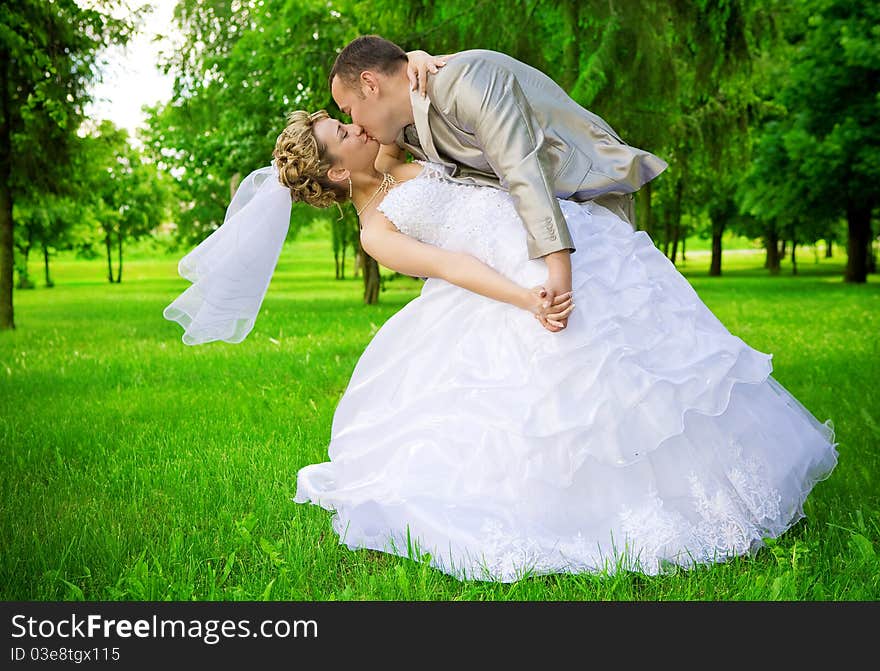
column 404, row 171
column 373, row 220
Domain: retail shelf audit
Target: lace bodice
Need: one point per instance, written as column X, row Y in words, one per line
column 439, row 211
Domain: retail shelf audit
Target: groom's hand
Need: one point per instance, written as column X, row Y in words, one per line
column 558, row 280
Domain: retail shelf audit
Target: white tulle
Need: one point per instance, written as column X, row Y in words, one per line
column 231, row 268
column 643, row 435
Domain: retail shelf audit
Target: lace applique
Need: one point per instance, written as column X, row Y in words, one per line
column 510, row 556
column 724, row 530
column 429, row 169
column 747, row 477
column 648, row 532
column 730, row 521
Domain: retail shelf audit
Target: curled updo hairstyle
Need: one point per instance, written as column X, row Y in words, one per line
column 303, row 162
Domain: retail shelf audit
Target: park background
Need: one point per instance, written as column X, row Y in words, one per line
column 135, row 467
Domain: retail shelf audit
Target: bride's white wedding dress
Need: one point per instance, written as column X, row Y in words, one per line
column 643, row 435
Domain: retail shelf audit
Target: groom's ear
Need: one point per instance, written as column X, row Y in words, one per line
column 338, row 174
column 369, row 82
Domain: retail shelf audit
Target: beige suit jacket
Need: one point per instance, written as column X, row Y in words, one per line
column 497, row 121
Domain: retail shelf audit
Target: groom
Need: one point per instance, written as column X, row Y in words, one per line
column 497, row 121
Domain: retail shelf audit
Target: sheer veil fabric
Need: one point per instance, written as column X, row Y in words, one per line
column 230, row 270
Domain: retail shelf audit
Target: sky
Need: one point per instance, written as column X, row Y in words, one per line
column 131, row 78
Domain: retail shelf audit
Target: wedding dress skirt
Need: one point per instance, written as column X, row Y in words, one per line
column 644, row 435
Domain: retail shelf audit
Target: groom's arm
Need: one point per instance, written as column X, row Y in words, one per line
column 484, row 99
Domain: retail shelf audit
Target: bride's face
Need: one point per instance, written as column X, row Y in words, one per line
column 348, row 144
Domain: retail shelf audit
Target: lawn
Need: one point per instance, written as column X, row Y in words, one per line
column 137, row 468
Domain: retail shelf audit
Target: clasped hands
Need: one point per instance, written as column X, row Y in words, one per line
column 555, row 294
column 551, row 310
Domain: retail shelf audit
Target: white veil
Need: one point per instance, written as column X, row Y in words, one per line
column 231, row 268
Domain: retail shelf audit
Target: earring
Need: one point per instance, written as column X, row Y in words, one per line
column 349, row 189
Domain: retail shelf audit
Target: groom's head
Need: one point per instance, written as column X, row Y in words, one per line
column 368, row 82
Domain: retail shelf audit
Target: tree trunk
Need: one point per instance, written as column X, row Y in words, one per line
column 715, row 264
column 828, row 252
column 793, row 257
column 109, row 259
column 676, row 232
column 667, row 232
column 24, row 281
column 872, row 258
column 119, row 269
column 49, row 282
column 683, row 241
column 571, row 56
column 336, row 262
column 371, row 279
column 772, row 243
column 7, row 245
column 858, row 219
column 342, row 264
column 782, row 249
column 676, row 219
column 646, row 216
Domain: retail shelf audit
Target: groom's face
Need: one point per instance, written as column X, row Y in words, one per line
column 369, row 108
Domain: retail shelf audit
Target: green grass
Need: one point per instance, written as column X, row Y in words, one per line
column 137, row 468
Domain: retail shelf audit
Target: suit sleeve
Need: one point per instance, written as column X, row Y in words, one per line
column 486, row 100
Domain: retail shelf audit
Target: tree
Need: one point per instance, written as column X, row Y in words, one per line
column 822, row 153
column 47, row 57
column 127, row 195
column 242, row 68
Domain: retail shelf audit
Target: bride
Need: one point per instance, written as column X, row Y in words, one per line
column 482, row 434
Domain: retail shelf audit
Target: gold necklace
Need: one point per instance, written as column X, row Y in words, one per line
column 387, row 182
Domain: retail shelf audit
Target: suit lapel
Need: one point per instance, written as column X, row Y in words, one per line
column 420, row 116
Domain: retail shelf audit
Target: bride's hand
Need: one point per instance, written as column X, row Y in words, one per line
column 550, row 317
column 420, row 64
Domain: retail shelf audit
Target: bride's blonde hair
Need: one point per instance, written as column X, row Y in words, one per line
column 303, row 162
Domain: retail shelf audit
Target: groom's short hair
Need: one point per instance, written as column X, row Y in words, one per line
column 368, row 52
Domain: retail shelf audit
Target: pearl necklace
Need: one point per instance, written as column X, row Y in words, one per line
column 387, row 182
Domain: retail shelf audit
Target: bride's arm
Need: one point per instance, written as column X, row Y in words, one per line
column 396, row 251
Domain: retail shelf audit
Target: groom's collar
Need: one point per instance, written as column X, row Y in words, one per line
column 420, row 108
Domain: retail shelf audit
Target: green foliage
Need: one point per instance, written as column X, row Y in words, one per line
column 243, row 67
column 51, row 221
column 123, row 195
column 48, row 52
column 817, row 152
column 834, row 134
